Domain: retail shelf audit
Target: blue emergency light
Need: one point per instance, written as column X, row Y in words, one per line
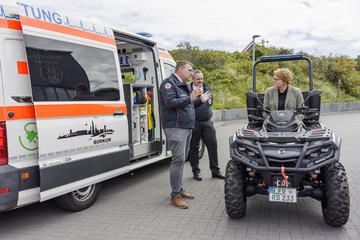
column 145, row 34
column 282, row 56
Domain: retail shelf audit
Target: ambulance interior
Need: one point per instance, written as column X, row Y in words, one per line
column 139, row 80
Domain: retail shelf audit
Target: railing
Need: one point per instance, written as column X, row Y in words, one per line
column 241, row 113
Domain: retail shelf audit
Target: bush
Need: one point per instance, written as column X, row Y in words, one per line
column 230, row 74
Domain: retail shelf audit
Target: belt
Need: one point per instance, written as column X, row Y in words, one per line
column 202, row 120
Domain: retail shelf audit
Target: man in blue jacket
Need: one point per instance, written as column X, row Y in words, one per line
column 178, row 120
column 204, row 128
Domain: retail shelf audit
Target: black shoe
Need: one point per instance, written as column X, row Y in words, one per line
column 218, row 175
column 197, row 176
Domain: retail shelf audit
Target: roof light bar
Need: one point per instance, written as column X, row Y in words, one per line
column 282, row 56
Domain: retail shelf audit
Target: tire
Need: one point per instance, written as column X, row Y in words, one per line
column 201, row 148
column 336, row 206
column 80, row 199
column 235, row 198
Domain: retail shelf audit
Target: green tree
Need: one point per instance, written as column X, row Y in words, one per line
column 357, row 67
column 230, row 74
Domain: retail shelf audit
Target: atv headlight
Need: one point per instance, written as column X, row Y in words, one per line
column 325, row 150
column 240, row 148
column 251, row 154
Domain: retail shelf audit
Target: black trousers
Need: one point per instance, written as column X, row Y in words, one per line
column 207, row 131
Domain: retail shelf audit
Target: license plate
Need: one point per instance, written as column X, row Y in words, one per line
column 281, row 194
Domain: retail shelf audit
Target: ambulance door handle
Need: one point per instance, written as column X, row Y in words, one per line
column 118, row 112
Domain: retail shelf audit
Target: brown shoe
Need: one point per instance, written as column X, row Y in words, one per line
column 186, row 195
column 178, row 202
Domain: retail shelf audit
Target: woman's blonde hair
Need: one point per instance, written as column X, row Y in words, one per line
column 284, row 74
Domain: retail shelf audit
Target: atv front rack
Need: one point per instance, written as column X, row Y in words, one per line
column 300, row 152
column 285, row 137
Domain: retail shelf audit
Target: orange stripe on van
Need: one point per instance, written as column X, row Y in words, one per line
column 11, row 24
column 65, row 30
column 22, row 67
column 20, row 112
column 165, row 55
column 71, row 110
column 2, row 114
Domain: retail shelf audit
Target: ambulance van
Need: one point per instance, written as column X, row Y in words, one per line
column 79, row 105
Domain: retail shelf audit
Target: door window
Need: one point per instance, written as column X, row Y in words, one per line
column 169, row 69
column 62, row 71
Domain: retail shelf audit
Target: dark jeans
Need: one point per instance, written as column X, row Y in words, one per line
column 207, row 131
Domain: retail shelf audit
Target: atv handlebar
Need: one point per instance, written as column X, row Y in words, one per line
column 300, row 110
column 305, row 109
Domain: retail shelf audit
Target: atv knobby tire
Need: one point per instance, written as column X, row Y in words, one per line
column 235, row 199
column 336, row 206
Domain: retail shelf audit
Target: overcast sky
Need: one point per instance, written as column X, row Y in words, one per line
column 318, row 27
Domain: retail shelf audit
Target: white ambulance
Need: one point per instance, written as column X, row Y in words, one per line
column 79, row 105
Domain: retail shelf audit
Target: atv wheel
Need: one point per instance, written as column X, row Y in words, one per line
column 235, row 199
column 80, row 199
column 336, row 206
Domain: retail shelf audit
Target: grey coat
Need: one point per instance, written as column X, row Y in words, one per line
column 294, row 99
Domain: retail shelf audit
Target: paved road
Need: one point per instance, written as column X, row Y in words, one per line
column 137, row 205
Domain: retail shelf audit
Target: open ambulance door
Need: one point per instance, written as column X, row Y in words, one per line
column 82, row 133
column 167, row 65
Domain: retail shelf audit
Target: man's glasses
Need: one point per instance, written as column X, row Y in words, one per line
column 189, row 69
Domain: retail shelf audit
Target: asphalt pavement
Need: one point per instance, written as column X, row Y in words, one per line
column 137, row 205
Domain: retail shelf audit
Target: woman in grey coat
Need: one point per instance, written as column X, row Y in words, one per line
column 282, row 96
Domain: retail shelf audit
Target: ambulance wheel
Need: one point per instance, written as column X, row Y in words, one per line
column 336, row 205
column 201, row 148
column 235, row 198
column 80, row 199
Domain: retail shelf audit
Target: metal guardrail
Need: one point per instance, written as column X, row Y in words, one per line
column 241, row 113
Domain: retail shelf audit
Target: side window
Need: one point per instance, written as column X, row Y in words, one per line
column 169, row 69
column 62, row 71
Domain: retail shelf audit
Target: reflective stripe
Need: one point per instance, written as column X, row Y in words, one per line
column 21, row 112
column 2, row 114
column 10, row 24
column 165, row 55
column 71, row 110
column 22, row 67
column 63, row 110
column 65, row 30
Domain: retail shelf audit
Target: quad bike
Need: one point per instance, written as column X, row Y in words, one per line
column 285, row 158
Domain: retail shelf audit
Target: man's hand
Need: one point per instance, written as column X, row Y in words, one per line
column 206, row 96
column 195, row 93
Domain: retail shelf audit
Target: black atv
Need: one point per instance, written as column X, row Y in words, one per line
column 286, row 159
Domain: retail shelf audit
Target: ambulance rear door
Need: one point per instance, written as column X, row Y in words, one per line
column 167, row 65
column 78, row 98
